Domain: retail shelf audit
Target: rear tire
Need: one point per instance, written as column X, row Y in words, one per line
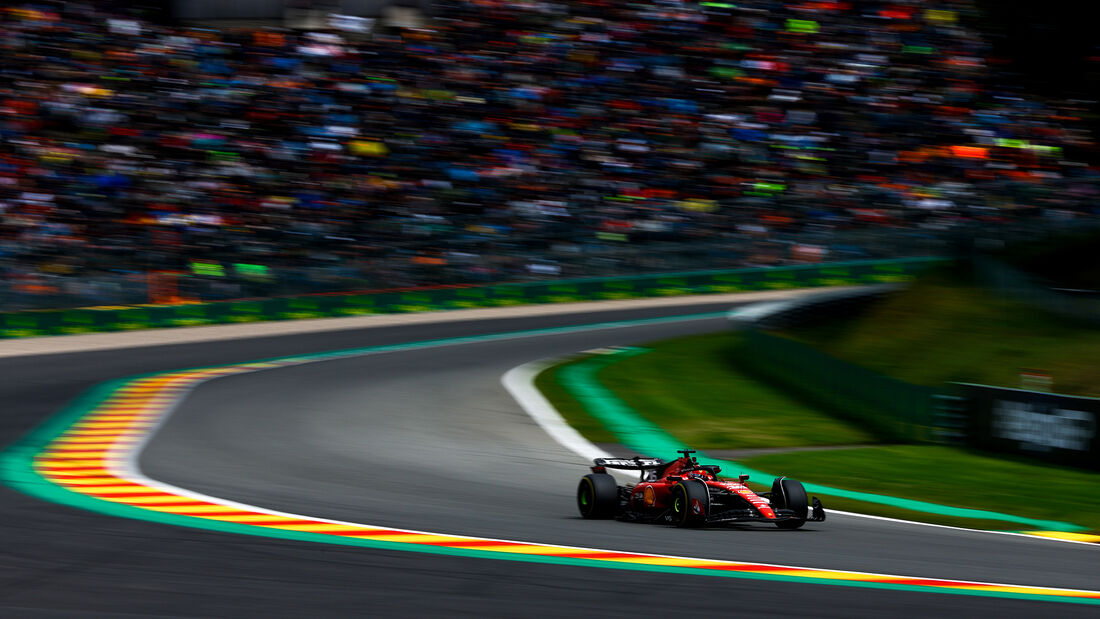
column 598, row 496
column 690, row 503
column 790, row 494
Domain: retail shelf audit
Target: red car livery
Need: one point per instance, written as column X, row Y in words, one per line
column 688, row 494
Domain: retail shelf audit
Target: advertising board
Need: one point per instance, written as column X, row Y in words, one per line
column 1053, row 427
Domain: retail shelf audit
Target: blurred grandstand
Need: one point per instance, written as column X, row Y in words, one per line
column 509, row 140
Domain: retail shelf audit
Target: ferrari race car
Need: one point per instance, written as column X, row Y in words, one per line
column 688, row 494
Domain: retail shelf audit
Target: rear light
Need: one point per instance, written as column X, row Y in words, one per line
column 599, row 469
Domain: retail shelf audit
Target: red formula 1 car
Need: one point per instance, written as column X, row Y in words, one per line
column 688, row 494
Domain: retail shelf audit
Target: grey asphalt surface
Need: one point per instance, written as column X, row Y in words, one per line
column 428, row 440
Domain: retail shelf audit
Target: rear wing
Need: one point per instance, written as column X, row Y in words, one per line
column 630, row 464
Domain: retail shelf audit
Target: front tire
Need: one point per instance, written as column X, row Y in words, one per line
column 690, row 503
column 790, row 494
column 598, row 496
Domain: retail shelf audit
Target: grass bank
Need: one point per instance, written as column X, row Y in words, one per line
column 946, row 329
column 690, row 387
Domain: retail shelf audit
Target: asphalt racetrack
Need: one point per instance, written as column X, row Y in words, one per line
column 428, row 439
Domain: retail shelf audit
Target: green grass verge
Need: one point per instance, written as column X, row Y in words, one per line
column 945, row 329
column 689, row 387
column 711, row 406
column 547, row 383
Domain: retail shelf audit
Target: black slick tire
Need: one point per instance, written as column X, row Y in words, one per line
column 790, row 494
column 690, row 502
column 598, row 496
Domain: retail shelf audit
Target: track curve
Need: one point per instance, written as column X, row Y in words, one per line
column 428, row 439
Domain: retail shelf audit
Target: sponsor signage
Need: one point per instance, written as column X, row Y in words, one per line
column 632, row 463
column 1058, row 428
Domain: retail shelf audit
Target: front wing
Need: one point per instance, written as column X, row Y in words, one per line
column 750, row 514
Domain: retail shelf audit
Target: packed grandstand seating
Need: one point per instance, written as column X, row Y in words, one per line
column 507, row 140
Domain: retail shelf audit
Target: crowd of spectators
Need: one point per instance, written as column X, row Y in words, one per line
column 508, row 139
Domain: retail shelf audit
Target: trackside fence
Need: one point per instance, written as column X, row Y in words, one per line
column 892, row 409
column 1052, row 427
column 85, row 320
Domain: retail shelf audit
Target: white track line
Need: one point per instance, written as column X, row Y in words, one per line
column 520, row 383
